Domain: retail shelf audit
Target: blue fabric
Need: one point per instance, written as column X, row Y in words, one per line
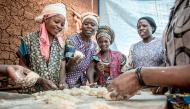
column 23, row 52
column 69, row 51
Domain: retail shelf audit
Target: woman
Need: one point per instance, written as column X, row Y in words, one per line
column 82, row 42
column 43, row 51
column 149, row 51
column 107, row 64
column 176, row 75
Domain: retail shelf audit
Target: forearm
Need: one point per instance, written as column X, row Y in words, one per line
column 90, row 73
column 62, row 75
column 71, row 64
column 177, row 76
column 3, row 69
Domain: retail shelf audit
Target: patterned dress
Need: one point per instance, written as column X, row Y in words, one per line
column 77, row 76
column 30, row 53
column 146, row 54
column 112, row 66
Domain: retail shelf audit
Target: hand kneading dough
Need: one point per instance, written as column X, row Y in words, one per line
column 78, row 54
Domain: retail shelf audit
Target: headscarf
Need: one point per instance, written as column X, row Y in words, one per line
column 47, row 12
column 90, row 15
column 151, row 22
column 105, row 31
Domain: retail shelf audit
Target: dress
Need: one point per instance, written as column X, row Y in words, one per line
column 30, row 53
column 112, row 67
column 146, row 54
column 78, row 74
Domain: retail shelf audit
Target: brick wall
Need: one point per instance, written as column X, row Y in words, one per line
column 17, row 19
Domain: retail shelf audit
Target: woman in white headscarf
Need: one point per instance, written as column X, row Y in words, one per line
column 80, row 43
column 43, row 51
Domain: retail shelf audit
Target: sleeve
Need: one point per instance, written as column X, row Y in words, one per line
column 123, row 60
column 129, row 61
column 23, row 52
column 95, row 58
column 69, row 49
column 163, row 59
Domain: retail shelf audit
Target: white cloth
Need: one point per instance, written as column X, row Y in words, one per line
column 57, row 8
column 90, row 15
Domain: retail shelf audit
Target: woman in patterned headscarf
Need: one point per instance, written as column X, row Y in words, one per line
column 83, row 44
column 107, row 64
column 43, row 51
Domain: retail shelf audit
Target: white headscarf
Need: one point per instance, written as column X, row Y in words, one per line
column 57, row 8
column 90, row 15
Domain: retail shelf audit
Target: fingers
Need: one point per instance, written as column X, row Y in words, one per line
column 13, row 73
column 10, row 70
column 115, row 96
column 47, row 84
column 110, row 88
column 52, row 85
column 63, row 86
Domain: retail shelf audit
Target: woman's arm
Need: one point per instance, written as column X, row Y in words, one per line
column 129, row 63
column 71, row 63
column 62, row 76
column 3, row 70
column 90, row 72
column 176, row 76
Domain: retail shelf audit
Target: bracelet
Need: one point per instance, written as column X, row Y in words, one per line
column 139, row 77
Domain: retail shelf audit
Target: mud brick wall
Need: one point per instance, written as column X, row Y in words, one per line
column 17, row 19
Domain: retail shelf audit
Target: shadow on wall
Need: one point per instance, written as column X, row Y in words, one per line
column 17, row 19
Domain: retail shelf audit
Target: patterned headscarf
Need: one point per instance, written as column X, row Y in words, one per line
column 90, row 15
column 151, row 22
column 105, row 31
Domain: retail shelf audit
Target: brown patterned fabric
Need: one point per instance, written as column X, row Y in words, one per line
column 177, row 34
column 177, row 44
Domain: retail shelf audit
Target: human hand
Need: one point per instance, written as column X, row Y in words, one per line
column 93, row 85
column 17, row 72
column 159, row 90
column 78, row 55
column 22, row 76
column 63, row 85
column 100, row 66
column 125, row 85
column 47, row 84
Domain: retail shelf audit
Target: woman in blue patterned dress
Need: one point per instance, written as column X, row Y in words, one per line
column 149, row 51
column 82, row 42
column 43, row 51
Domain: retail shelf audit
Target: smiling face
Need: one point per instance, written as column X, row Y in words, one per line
column 55, row 24
column 103, row 43
column 144, row 29
column 89, row 27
